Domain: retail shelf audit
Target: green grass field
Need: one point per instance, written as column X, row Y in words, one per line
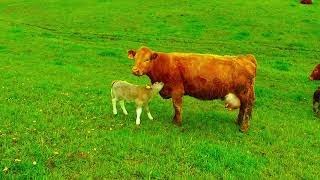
column 58, row 59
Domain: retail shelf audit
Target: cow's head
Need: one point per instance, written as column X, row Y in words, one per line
column 143, row 58
column 315, row 75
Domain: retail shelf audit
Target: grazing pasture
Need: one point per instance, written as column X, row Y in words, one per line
column 58, row 59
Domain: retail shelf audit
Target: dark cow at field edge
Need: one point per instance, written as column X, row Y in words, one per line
column 306, row 1
column 203, row 76
column 316, row 102
column 315, row 74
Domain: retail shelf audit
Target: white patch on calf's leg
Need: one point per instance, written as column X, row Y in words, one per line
column 123, row 107
column 150, row 116
column 148, row 112
column 139, row 111
column 114, row 106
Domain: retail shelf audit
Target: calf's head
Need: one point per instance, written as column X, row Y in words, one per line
column 315, row 75
column 143, row 58
column 157, row 86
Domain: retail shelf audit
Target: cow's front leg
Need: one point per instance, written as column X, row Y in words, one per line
column 177, row 105
column 241, row 114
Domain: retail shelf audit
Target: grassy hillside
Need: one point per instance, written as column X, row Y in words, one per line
column 58, row 58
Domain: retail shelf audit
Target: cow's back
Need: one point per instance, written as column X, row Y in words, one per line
column 249, row 62
column 211, row 76
column 203, row 76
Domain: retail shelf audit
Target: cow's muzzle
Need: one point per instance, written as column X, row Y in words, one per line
column 136, row 72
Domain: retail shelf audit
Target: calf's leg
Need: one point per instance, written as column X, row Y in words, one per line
column 123, row 107
column 148, row 112
column 114, row 106
column 139, row 111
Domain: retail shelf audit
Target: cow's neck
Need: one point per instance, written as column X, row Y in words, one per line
column 159, row 69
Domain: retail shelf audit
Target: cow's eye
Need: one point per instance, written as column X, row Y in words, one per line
column 146, row 60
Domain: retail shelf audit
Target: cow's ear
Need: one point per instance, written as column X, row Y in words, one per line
column 131, row 54
column 154, row 56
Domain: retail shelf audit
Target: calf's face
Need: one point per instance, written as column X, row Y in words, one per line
column 143, row 60
column 315, row 75
column 157, row 86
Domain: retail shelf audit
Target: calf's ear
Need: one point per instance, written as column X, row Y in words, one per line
column 153, row 56
column 131, row 54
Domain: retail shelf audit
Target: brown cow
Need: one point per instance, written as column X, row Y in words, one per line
column 316, row 102
column 306, row 1
column 315, row 75
column 203, row 76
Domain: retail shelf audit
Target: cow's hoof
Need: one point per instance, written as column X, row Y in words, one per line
column 239, row 122
column 178, row 123
column 244, row 129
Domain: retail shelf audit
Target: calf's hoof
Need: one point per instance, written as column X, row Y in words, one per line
column 137, row 127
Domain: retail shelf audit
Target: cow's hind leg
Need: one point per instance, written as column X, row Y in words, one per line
column 316, row 108
column 247, row 99
column 318, row 113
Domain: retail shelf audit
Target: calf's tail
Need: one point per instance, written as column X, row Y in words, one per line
column 112, row 96
column 112, row 83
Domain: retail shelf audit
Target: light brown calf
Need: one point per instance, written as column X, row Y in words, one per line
column 123, row 91
column 315, row 74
